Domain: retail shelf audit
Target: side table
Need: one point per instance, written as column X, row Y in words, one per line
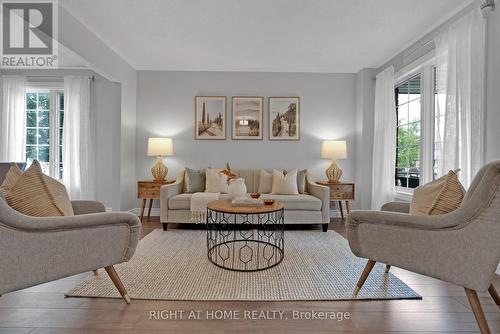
column 149, row 190
column 340, row 192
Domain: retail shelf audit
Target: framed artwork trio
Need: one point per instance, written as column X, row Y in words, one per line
column 247, row 118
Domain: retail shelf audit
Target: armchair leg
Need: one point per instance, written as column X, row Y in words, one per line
column 118, row 283
column 364, row 276
column 494, row 294
column 165, row 226
column 477, row 310
column 387, row 268
column 325, row 227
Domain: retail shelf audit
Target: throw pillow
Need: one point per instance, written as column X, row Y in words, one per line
column 265, row 182
column 194, row 180
column 301, row 180
column 285, row 184
column 11, row 177
column 216, row 181
column 36, row 194
column 438, row 197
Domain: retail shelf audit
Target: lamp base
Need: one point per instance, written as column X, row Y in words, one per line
column 334, row 173
column 159, row 170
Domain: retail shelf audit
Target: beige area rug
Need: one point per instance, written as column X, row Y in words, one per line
column 173, row 265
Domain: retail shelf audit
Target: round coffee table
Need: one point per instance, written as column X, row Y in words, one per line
column 243, row 238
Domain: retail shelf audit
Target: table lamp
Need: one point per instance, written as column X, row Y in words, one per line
column 160, row 147
column 334, row 149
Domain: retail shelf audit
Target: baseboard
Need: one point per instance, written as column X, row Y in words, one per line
column 155, row 212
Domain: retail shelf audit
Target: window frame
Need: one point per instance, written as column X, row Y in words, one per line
column 54, row 137
column 425, row 67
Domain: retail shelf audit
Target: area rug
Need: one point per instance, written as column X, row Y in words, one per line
column 173, row 265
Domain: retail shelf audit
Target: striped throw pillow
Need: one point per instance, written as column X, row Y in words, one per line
column 36, row 194
column 438, row 197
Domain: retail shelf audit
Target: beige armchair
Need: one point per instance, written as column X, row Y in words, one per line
column 461, row 247
column 39, row 250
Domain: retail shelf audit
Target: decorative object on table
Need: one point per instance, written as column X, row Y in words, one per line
column 35, row 194
column 438, row 197
column 255, row 195
column 334, row 149
column 216, row 181
column 340, row 192
column 149, row 190
column 210, row 117
column 237, row 187
column 284, row 184
column 194, row 180
column 237, row 249
column 160, row 147
column 284, row 118
column 269, row 201
column 246, row 201
column 228, row 172
column 247, row 117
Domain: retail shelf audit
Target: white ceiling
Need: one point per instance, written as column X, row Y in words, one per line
column 260, row 35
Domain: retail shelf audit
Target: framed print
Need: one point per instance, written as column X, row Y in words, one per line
column 247, row 117
column 210, row 117
column 284, row 118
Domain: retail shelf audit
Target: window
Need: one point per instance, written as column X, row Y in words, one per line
column 418, row 126
column 44, row 121
column 408, row 110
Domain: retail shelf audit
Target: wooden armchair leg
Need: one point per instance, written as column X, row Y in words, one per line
column 387, row 268
column 118, row 283
column 96, row 273
column 494, row 294
column 364, row 276
column 477, row 310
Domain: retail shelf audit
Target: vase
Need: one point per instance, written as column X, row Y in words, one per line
column 237, row 187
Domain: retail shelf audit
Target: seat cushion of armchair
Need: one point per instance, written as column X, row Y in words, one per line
column 291, row 202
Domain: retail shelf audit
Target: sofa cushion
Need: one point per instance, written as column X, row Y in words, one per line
column 194, row 180
column 285, row 184
column 291, row 202
column 265, row 182
column 36, row 194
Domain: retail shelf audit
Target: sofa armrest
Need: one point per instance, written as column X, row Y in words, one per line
column 402, row 207
column 168, row 191
column 403, row 220
column 86, row 207
column 322, row 193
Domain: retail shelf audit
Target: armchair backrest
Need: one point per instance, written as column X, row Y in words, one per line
column 5, row 166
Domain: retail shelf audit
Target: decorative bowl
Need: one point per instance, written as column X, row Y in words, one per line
column 269, row 201
column 255, row 195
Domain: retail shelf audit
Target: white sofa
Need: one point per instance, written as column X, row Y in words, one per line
column 312, row 207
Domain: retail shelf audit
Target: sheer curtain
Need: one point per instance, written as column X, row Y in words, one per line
column 460, row 58
column 78, row 175
column 13, row 120
column 384, row 140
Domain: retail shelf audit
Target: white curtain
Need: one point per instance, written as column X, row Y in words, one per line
column 384, row 140
column 13, row 120
column 78, row 175
column 460, row 58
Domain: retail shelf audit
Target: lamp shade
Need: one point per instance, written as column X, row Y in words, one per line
column 334, row 149
column 160, row 146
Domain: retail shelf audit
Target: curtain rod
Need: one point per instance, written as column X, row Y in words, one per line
column 52, row 77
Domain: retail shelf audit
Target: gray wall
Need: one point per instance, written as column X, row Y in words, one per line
column 165, row 103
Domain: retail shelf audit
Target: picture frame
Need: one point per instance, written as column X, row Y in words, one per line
column 247, row 117
column 284, row 118
column 210, row 117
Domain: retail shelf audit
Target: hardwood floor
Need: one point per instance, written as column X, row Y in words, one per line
column 43, row 309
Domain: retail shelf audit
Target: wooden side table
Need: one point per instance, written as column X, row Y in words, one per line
column 340, row 192
column 149, row 190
